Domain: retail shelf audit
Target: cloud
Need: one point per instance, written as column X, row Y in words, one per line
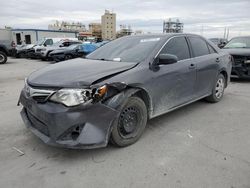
column 208, row 17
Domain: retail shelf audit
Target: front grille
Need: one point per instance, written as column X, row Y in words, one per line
column 38, row 50
column 37, row 124
column 39, row 95
column 239, row 59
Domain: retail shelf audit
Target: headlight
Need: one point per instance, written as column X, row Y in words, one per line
column 74, row 97
column 43, row 49
column 247, row 61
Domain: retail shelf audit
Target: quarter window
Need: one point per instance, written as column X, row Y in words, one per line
column 177, row 46
column 199, row 46
column 211, row 49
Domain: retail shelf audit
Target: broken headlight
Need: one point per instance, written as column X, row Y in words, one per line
column 74, row 97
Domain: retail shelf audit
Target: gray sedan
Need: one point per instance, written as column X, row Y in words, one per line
column 110, row 95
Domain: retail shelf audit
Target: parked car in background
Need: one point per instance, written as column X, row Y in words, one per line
column 3, row 53
column 239, row 48
column 46, row 43
column 110, row 95
column 43, row 52
column 220, row 42
column 67, row 53
column 73, row 51
column 23, row 50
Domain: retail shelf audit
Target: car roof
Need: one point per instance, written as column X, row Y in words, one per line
column 163, row 36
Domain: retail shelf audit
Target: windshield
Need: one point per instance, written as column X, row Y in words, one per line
column 126, row 49
column 239, row 42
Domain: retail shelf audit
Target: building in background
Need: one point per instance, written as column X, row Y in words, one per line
column 108, row 25
column 67, row 26
column 96, row 30
column 31, row 36
column 172, row 26
column 124, row 31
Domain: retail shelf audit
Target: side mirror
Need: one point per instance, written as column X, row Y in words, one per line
column 165, row 59
column 44, row 44
column 61, row 45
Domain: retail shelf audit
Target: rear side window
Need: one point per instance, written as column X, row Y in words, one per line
column 177, row 46
column 199, row 46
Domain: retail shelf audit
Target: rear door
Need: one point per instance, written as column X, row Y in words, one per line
column 206, row 60
column 173, row 84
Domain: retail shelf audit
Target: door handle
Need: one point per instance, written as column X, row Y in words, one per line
column 192, row 66
column 217, row 60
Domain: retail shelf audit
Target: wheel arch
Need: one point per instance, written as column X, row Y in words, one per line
column 225, row 74
column 120, row 98
column 2, row 49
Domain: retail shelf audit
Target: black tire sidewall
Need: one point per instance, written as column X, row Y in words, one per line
column 115, row 135
column 4, row 56
column 68, row 57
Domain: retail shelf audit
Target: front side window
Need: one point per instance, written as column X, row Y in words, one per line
column 177, row 46
column 199, row 46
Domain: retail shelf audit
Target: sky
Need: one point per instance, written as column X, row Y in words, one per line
column 206, row 17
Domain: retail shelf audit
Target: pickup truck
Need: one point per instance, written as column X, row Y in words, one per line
column 3, row 54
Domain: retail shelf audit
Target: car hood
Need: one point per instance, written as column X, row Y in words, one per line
column 236, row 51
column 77, row 73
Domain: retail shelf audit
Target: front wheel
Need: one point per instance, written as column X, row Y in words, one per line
column 3, row 57
column 218, row 90
column 68, row 56
column 129, row 126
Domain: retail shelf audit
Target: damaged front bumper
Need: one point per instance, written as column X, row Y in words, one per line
column 241, row 67
column 78, row 127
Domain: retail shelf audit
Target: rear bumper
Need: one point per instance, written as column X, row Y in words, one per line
column 77, row 127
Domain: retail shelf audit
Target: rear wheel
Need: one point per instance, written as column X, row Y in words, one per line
column 3, row 57
column 129, row 126
column 218, row 90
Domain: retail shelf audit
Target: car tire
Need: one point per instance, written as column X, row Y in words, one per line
column 130, row 124
column 218, row 90
column 3, row 58
column 68, row 56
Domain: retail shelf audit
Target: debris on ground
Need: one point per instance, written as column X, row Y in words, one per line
column 19, row 151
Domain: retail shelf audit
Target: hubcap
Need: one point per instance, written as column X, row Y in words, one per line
column 1, row 58
column 128, row 122
column 219, row 89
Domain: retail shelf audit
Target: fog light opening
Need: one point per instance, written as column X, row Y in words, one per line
column 75, row 135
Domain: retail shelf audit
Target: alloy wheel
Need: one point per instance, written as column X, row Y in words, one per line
column 219, row 89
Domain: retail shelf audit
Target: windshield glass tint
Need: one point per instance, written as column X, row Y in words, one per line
column 126, row 49
column 240, row 42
